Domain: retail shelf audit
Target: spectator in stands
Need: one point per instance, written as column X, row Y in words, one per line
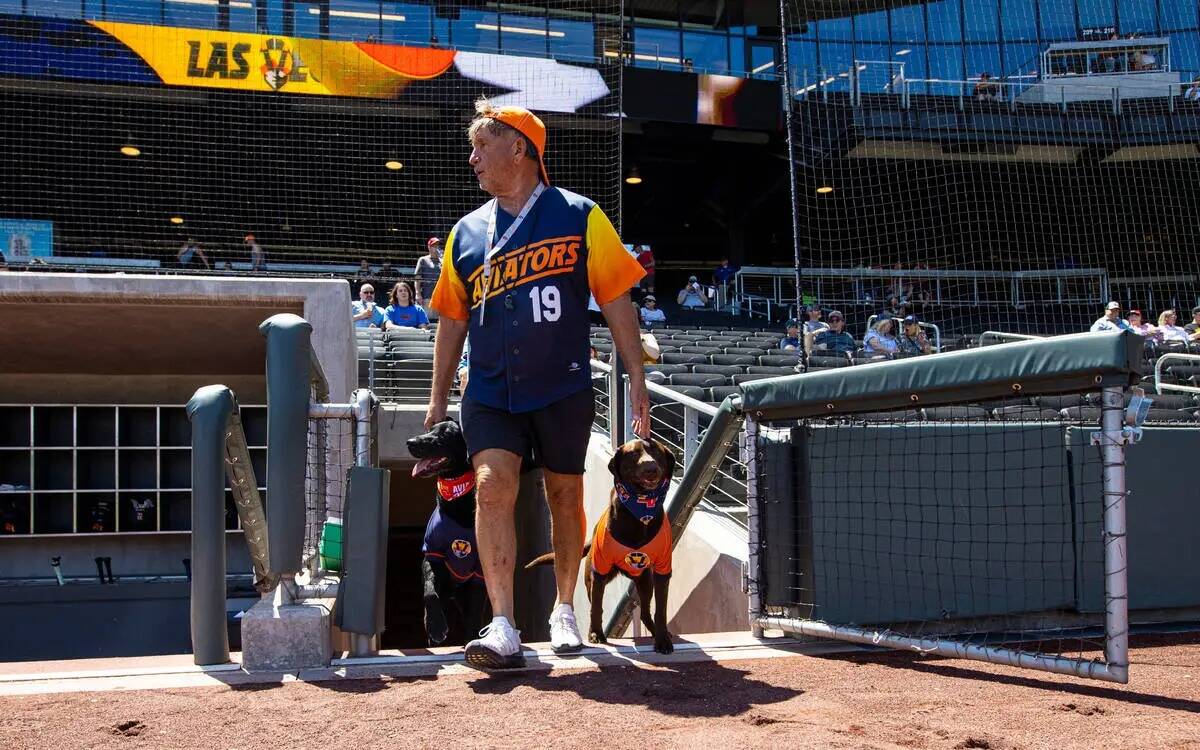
column 723, row 274
column 1193, row 328
column 190, row 253
column 987, row 90
column 1141, row 327
column 880, row 341
column 387, row 273
column 364, row 269
column 814, row 322
column 650, row 314
column 832, row 338
column 692, row 295
column 366, row 314
column 895, row 308
column 1169, row 330
column 913, row 340
column 1192, row 93
column 429, row 267
column 403, row 312
column 646, row 258
column 792, row 341
column 1111, row 320
column 258, row 258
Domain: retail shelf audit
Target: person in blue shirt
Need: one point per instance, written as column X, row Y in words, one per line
column 402, row 312
column 364, row 312
column 1111, row 320
column 834, row 338
column 515, row 281
column 791, row 342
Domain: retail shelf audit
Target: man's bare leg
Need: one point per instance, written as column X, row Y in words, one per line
column 564, row 495
column 497, row 476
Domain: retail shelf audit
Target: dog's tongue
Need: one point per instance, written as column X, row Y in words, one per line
column 422, row 466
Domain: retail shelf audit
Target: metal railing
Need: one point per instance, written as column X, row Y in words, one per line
column 856, row 286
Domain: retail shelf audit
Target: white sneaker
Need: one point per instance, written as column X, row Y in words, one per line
column 564, row 633
column 499, row 646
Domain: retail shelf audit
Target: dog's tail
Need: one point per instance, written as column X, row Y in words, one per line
column 548, row 558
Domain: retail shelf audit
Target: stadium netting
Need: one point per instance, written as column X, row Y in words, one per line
column 995, row 165
column 125, row 140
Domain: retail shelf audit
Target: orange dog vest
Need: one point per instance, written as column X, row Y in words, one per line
column 607, row 552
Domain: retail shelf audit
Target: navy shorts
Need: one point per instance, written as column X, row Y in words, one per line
column 555, row 436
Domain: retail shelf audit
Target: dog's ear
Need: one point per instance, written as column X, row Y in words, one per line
column 614, row 463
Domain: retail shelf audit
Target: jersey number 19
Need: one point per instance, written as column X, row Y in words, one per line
column 546, row 303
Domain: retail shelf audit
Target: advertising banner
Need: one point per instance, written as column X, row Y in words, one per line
column 22, row 239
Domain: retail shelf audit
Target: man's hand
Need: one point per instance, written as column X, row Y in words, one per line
column 436, row 413
column 639, row 404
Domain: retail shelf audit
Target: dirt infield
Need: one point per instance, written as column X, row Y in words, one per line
column 849, row 701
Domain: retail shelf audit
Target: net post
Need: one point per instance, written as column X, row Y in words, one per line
column 1116, row 582
column 750, row 459
column 616, row 402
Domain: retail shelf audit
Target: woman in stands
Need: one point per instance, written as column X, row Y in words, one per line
column 402, row 311
column 880, row 341
column 1167, row 329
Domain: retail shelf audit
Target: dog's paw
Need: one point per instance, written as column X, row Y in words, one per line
column 663, row 644
column 594, row 637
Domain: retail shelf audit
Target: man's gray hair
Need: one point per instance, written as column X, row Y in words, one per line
column 485, row 113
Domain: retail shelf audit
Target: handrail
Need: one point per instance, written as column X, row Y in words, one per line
column 1158, row 368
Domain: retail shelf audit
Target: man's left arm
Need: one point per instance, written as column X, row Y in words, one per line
column 612, row 272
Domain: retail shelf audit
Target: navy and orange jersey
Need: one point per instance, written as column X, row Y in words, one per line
column 454, row 545
column 608, row 552
column 531, row 348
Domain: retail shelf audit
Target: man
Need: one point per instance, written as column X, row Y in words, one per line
column 651, row 315
column 834, row 338
column 645, row 257
column 692, row 295
column 515, row 280
column 1193, row 328
column 258, row 258
column 365, row 313
column 722, row 275
column 190, row 252
column 913, row 340
column 1111, row 320
column 814, row 322
column 429, row 267
column 792, row 341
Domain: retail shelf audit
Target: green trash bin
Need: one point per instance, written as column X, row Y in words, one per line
column 331, row 545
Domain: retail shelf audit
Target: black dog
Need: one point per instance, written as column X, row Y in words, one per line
column 455, row 593
column 633, row 538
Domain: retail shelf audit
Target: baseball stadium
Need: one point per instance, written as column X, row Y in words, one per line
column 709, row 373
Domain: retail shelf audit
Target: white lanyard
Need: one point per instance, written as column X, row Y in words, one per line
column 492, row 249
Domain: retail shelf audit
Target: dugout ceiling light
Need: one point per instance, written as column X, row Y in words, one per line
column 393, row 165
column 903, row 52
column 519, row 30
column 131, row 151
column 633, row 178
column 176, row 219
column 824, row 190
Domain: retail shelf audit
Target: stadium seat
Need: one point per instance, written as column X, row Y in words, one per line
column 701, row 379
column 1170, row 415
column 1058, row 403
column 739, row 379
column 603, row 346
column 690, row 336
column 413, row 354
column 692, row 391
column 734, row 359
column 1087, row 414
column 745, row 350
column 954, row 413
column 779, row 360
column 773, row 371
column 401, row 333
column 886, row 416
column 666, row 331
column 699, row 349
column 679, row 358
column 656, row 377
column 1167, row 400
column 1021, row 413
column 828, row 363
column 667, row 369
column 826, row 354
column 726, row 370
column 719, row 393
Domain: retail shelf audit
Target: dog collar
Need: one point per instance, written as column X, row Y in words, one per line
column 645, row 505
column 452, row 488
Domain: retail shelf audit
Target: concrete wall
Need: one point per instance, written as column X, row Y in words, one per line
column 706, row 581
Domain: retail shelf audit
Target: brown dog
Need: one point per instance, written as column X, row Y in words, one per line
column 633, row 538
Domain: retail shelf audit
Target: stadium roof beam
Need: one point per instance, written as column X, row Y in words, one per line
column 712, row 14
